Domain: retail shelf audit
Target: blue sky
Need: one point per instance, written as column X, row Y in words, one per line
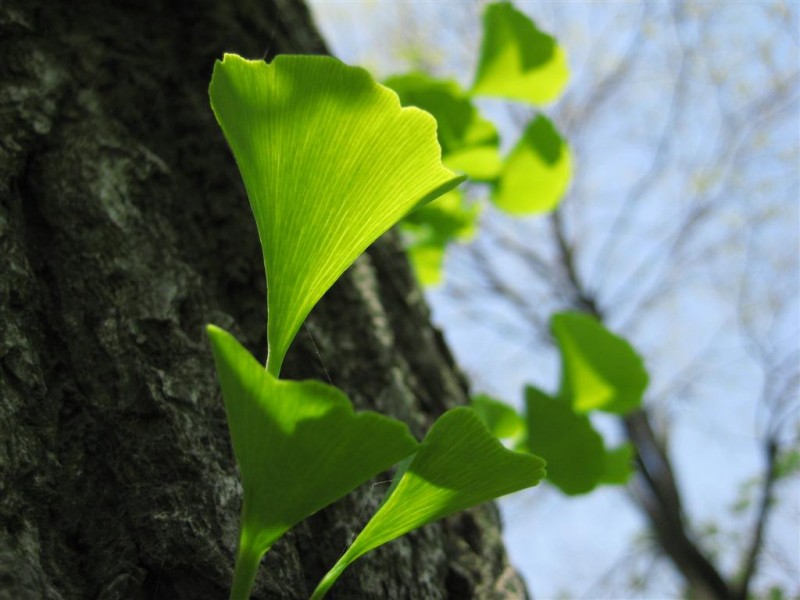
column 706, row 114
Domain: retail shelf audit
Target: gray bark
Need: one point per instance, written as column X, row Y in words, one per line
column 123, row 230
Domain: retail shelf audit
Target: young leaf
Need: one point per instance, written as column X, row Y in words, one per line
column 330, row 161
column 599, row 370
column 518, row 61
column 618, row 465
column 469, row 142
column 429, row 229
column 427, row 260
column 536, row 173
column 459, row 464
column 480, row 163
column 502, row 420
column 299, row 447
column 574, row 451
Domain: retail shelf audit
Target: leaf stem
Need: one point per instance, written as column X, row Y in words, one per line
column 244, row 574
column 329, row 579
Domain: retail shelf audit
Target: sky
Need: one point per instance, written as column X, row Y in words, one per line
column 707, row 114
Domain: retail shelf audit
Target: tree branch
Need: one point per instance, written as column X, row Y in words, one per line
column 754, row 552
column 658, row 493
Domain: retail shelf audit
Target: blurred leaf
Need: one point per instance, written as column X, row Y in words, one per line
column 427, row 261
column 502, row 420
column 442, row 220
column 458, row 121
column 330, row 162
column 776, row 593
column 428, row 230
column 480, row 163
column 787, row 463
column 536, row 173
column 469, row 142
column 574, row 451
column 744, row 499
column 618, row 465
column 459, row 464
column 599, row 370
column 517, row 61
column 299, row 447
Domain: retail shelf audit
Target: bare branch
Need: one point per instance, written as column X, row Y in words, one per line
column 742, row 590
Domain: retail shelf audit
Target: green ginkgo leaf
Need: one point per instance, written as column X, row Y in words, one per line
column 427, row 261
column 469, row 142
column 618, row 465
column 459, row 464
column 428, row 230
column 446, row 218
column 502, row 420
column 574, row 451
column 299, row 447
column 518, row 61
column 480, row 163
column 599, row 370
column 537, row 172
column 330, row 161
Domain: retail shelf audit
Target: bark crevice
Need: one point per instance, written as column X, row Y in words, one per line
column 124, row 229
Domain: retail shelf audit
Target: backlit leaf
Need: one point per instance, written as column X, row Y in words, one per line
column 446, row 218
column 536, row 173
column 299, row 447
column 459, row 464
column 481, row 163
column 502, row 420
column 330, row 161
column 599, row 370
column 517, row 61
column 428, row 230
column 469, row 142
column 427, row 261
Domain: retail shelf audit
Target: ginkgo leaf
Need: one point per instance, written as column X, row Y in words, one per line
column 574, row 451
column 428, row 230
column 502, row 420
column 427, row 261
column 599, row 370
column 299, row 447
column 459, row 464
column 536, row 173
column 517, row 61
column 330, row 161
column 469, row 142
column 480, row 163
column 446, row 218
column 618, row 465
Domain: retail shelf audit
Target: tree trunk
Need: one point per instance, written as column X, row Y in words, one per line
column 123, row 230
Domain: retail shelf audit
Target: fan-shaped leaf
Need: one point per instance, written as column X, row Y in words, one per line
column 574, row 451
column 299, row 447
column 618, row 465
column 502, row 420
column 536, row 173
column 446, row 218
column 518, row 61
column 427, row 261
column 459, row 464
column 469, row 142
column 599, row 370
column 429, row 229
column 480, row 163
column 330, row 161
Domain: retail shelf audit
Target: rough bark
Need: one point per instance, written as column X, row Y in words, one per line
column 123, row 230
